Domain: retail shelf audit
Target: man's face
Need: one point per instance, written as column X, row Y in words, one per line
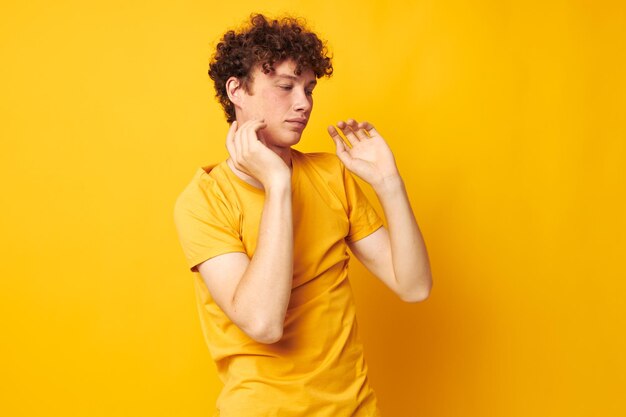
column 283, row 99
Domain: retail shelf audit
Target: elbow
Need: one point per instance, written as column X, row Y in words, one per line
column 415, row 297
column 418, row 295
column 266, row 334
column 270, row 337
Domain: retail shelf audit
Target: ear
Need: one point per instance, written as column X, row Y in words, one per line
column 234, row 89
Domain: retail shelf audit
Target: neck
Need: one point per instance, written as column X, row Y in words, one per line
column 284, row 153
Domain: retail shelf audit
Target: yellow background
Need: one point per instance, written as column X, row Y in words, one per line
column 507, row 120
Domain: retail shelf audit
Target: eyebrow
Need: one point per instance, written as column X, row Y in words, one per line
column 294, row 78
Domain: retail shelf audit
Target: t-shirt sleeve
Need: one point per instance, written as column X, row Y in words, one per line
column 363, row 218
column 206, row 226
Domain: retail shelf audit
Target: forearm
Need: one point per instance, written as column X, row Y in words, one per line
column 263, row 292
column 409, row 256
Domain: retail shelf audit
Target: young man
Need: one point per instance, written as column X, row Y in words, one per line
column 266, row 234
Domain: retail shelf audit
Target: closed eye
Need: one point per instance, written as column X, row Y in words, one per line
column 290, row 87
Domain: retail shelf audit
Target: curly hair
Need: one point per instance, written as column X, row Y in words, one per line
column 264, row 43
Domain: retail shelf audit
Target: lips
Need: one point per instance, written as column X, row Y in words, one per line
column 296, row 125
column 301, row 122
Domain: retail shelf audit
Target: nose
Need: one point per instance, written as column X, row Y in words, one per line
column 302, row 101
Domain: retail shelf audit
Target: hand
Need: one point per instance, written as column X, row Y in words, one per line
column 252, row 157
column 369, row 156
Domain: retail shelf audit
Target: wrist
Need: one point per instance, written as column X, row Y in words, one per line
column 388, row 185
column 278, row 184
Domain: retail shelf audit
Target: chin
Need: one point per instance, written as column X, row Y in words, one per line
column 285, row 139
column 294, row 140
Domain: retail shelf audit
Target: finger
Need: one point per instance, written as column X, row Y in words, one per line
column 366, row 126
column 353, row 124
column 261, row 139
column 334, row 134
column 245, row 142
column 369, row 128
column 348, row 133
column 332, row 131
column 357, row 129
column 245, row 137
column 256, row 131
column 253, row 136
column 340, row 146
column 258, row 125
column 254, row 125
column 230, row 138
column 238, row 142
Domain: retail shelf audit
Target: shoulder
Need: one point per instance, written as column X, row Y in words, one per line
column 326, row 171
column 324, row 162
column 205, row 189
column 200, row 183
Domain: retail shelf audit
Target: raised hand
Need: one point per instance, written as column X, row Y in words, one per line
column 252, row 157
column 369, row 156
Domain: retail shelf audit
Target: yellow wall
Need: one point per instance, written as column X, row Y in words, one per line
column 506, row 119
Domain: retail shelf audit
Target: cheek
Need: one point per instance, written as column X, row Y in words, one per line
column 266, row 106
column 275, row 101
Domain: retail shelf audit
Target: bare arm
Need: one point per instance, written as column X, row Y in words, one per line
column 254, row 293
column 397, row 256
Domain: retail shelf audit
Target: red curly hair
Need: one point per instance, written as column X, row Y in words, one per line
column 265, row 42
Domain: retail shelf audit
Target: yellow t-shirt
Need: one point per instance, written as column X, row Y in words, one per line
column 317, row 368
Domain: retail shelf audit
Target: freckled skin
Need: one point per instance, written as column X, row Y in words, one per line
column 276, row 98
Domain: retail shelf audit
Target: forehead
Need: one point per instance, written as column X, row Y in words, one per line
column 285, row 70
